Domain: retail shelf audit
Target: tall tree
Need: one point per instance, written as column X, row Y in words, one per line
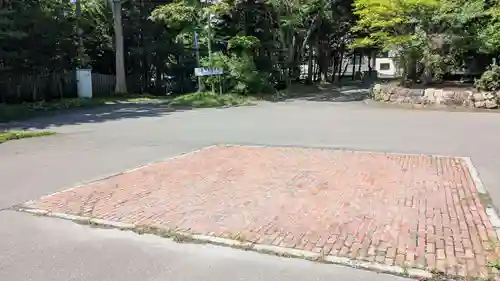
column 121, row 79
column 428, row 35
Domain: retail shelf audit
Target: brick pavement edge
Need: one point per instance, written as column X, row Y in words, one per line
column 260, row 248
column 490, row 210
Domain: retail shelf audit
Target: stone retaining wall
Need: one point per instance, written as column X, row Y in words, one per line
column 432, row 96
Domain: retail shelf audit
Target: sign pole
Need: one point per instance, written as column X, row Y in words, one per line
column 197, row 50
column 211, row 72
column 209, row 31
column 220, row 84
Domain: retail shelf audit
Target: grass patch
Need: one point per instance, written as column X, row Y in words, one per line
column 15, row 135
column 15, row 112
column 485, row 200
column 208, row 99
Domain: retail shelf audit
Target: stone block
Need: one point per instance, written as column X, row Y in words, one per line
column 416, row 92
column 429, row 92
column 488, row 95
column 491, row 104
column 377, row 88
column 478, row 97
column 480, row 104
column 448, row 95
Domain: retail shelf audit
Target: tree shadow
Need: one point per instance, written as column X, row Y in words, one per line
column 93, row 115
column 347, row 92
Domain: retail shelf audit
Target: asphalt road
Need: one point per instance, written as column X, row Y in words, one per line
column 36, row 248
column 99, row 142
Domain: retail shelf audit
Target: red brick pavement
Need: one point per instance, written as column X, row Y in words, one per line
column 415, row 211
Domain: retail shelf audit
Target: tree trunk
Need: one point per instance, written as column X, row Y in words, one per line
column 319, row 59
column 409, row 65
column 121, row 80
column 426, row 76
column 330, row 66
column 353, row 65
column 60, row 85
column 142, row 45
column 369, row 60
column 337, row 76
column 170, row 85
column 312, row 27
column 315, row 70
column 323, row 62
column 372, row 63
column 342, row 72
column 335, row 66
column 35, row 89
column 159, row 74
column 359, row 74
column 360, row 61
column 310, row 65
column 338, row 72
column 291, row 60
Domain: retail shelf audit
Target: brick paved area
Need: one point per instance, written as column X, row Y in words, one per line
column 416, row 211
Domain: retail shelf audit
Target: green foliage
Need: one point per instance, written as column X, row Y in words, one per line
column 391, row 24
column 176, row 15
column 209, row 99
column 15, row 135
column 261, row 45
column 242, row 44
column 489, row 34
column 240, row 74
column 36, row 35
column 430, row 36
column 489, row 80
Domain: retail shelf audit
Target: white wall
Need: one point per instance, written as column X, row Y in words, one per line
column 391, row 72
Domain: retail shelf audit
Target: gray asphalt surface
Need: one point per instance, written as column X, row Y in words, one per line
column 99, row 142
column 51, row 249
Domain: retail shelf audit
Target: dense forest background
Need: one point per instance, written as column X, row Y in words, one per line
column 263, row 45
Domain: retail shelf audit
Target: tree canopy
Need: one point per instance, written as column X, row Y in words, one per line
column 430, row 35
column 263, row 45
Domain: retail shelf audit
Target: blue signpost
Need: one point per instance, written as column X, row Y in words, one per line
column 201, row 71
column 197, row 50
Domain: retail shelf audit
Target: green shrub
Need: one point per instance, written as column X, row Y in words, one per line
column 490, row 80
column 209, row 99
column 240, row 75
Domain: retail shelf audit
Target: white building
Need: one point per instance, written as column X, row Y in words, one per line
column 385, row 64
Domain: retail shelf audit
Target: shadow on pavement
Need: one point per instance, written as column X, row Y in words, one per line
column 348, row 92
column 93, row 115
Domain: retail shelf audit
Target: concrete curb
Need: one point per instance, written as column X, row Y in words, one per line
column 490, row 210
column 475, row 176
column 262, row 248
